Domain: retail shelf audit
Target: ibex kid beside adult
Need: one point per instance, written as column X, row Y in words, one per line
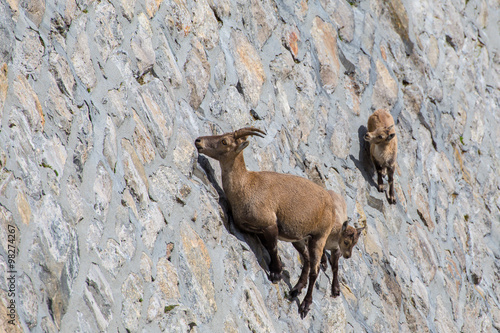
column 383, row 148
column 341, row 241
column 272, row 205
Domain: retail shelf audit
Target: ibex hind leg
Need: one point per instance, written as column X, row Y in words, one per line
column 302, row 249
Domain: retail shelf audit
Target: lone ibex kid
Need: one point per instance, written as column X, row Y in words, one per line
column 383, row 148
column 272, row 205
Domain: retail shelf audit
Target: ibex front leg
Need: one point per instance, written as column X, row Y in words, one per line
column 315, row 248
column 269, row 238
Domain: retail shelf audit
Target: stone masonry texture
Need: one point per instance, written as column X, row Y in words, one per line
column 111, row 221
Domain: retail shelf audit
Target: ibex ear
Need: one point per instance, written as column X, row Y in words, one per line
column 344, row 226
column 389, row 127
column 358, row 230
column 242, row 146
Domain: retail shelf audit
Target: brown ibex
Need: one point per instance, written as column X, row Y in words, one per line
column 340, row 243
column 383, row 148
column 272, row 205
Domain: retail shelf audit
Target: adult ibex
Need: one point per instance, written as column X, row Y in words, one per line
column 272, row 205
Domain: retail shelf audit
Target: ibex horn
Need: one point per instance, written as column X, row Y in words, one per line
column 248, row 131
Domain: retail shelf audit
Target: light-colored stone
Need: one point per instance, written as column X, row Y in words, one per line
column 248, row 66
column 197, row 71
column 134, row 173
column 132, row 291
column 142, row 46
column 253, row 309
column 102, row 188
column 108, row 31
column 98, row 296
column 34, row 9
column 152, row 7
column 200, row 278
column 167, row 63
column 142, row 141
column 205, row 25
column 259, row 18
column 30, row 103
column 325, row 41
column 152, row 222
column 81, row 58
column 342, row 14
column 385, row 90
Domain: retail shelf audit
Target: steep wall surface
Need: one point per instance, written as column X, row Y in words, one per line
column 119, row 226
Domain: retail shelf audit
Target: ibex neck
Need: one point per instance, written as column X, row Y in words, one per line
column 234, row 173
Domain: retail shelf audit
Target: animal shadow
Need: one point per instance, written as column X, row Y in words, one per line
column 251, row 240
column 364, row 163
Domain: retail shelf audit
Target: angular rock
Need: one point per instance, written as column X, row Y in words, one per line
column 166, row 63
column 23, row 207
column 134, row 173
column 152, row 7
column 81, row 58
column 184, row 152
column 58, row 109
column 103, row 189
column 29, row 54
column 157, row 109
column 199, row 277
column 127, row 7
column 84, row 141
column 205, row 25
column 325, row 42
column 221, row 8
column 253, row 310
column 112, row 257
column 168, row 189
column 259, row 19
column 60, row 69
column 98, row 296
column 108, row 31
column 142, row 46
column 166, row 288
column 197, row 71
column 248, row 66
column 28, row 300
column 132, row 291
column 423, row 253
column 34, row 9
column 385, row 90
column 6, row 32
column 30, row 104
column 142, row 141
column 146, row 267
column 342, row 14
column 109, row 145
column 152, row 222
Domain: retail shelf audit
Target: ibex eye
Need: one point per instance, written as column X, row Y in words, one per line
column 380, row 137
column 224, row 142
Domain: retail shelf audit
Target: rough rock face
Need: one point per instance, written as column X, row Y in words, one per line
column 118, row 225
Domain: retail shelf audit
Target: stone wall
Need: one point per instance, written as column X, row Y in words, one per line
column 119, row 226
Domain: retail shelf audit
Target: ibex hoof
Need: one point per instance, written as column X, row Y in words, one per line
column 294, row 293
column 392, row 200
column 304, row 309
column 335, row 292
column 381, row 188
column 275, row 277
